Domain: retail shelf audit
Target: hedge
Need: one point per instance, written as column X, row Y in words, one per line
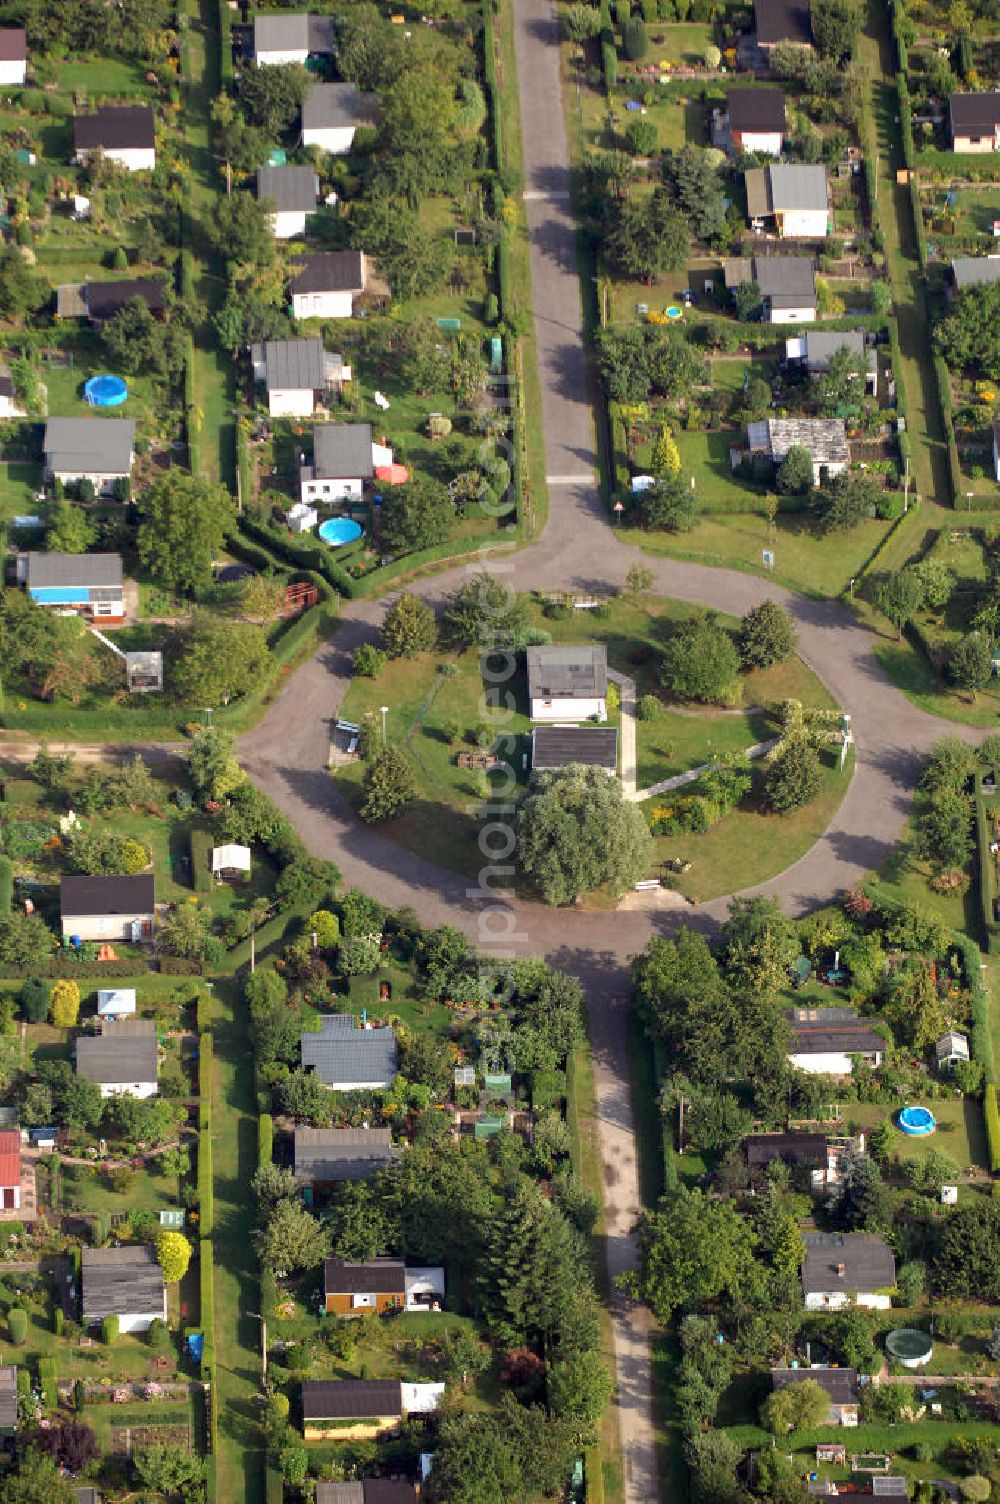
column 205, row 1062
column 244, row 470
column 202, row 842
column 873, row 558
column 206, row 1199
column 310, row 556
column 992, row 1116
column 275, row 1491
column 62, row 964
column 505, row 291
column 47, row 1382
column 192, row 419
column 265, row 1139
column 178, row 966
column 225, row 42
column 204, row 1012
column 6, row 884
column 206, row 1290
column 492, row 91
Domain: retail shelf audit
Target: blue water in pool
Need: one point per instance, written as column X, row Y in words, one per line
column 917, row 1121
column 105, row 391
column 340, row 530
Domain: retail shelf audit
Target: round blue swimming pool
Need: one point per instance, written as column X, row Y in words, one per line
column 918, row 1122
column 340, row 530
column 105, row 391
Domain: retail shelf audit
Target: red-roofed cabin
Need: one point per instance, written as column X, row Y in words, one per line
column 10, row 1169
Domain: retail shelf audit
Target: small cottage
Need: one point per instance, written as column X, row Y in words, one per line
column 792, row 198
column 825, row 1039
column 10, row 1169
column 586, row 746
column 325, row 284
column 841, row 1268
column 824, row 438
column 13, row 55
column 777, row 21
column 326, row 1156
column 332, row 113
column 755, row 121
column 951, row 1050
column 100, row 450
column 348, row 1058
column 124, row 1282
column 367, row 1491
column 787, row 285
column 840, row 1385
column 107, row 908
column 344, row 458
column 293, row 193
column 298, row 374
column 361, row 1409
column 122, row 1058
column 283, row 38
column 975, row 122
column 89, row 584
column 8, row 1399
column 116, row 1002
column 231, row 863
column 122, row 134
column 568, row 683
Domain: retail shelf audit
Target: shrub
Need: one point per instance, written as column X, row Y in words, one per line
column 17, row 1324
column 110, row 1327
column 368, row 661
column 6, row 884
column 202, row 841
column 635, row 42
column 649, row 708
column 64, row 1004
column 34, row 999
column 47, row 1382
column 265, row 1139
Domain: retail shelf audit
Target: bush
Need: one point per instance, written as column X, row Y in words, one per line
column 368, row 661
column 34, row 999
column 6, row 884
column 205, row 1199
column 265, row 1139
column 47, row 1383
column 635, row 42
column 649, row 708
column 64, row 1004
column 17, row 1325
column 110, row 1328
column 202, row 841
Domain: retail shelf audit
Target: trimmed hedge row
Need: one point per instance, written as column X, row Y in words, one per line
column 311, row 556
column 48, row 1383
column 987, row 886
column 178, row 966
column 192, row 418
column 873, row 558
column 992, row 1116
column 202, row 841
column 205, row 1063
column 6, row 884
column 265, row 1139
column 206, row 1197
column 204, row 1012
column 225, row 42
column 206, row 1290
column 492, row 90
column 61, row 964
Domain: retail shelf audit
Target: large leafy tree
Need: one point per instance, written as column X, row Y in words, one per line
column 532, row 1269
column 692, row 1249
column 836, row 25
column 971, row 663
column 22, row 289
column 483, row 613
column 292, row 1239
column 409, row 627
column 417, row 514
column 760, row 946
column 220, row 660
column 843, row 382
column 575, row 832
column 794, row 776
column 38, row 1480
column 418, row 128
column 969, row 335
column 899, row 597
column 647, row 237
column 701, row 661
column 797, row 1406
column 388, row 787
column 272, row 95
column 672, row 503
column 693, row 177
column 767, row 636
column 240, row 229
column 184, row 523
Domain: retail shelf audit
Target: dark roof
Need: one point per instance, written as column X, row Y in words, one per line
column 6, row 384
column 106, row 895
column 868, row 1262
column 288, row 187
column 329, row 271
column 363, row 1057
column 323, row 1154
column 559, row 746
column 121, row 1053
column 974, row 114
column 124, row 126
column 50, row 571
column 756, row 109
column 817, row 1031
column 782, row 21
column 120, row 1282
column 89, row 446
column 332, row 105
column 350, row 1399
column 13, row 44
column 573, row 672
column 342, row 451
column 791, row 277
column 379, row 1276
column 105, row 299
column 841, row 1384
column 292, row 364
column 8, row 1397
column 796, row 1148
column 367, row 1491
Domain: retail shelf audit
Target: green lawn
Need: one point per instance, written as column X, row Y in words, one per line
column 98, row 76
column 18, row 489
column 706, row 457
column 960, row 1132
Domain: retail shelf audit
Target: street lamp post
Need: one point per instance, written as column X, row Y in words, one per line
column 385, row 712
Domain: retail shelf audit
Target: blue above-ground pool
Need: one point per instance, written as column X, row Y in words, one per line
column 917, row 1122
column 105, row 391
column 340, row 530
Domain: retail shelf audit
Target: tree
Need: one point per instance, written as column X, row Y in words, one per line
column 292, row 1239
column 533, row 1265
column 25, row 940
column 971, row 663
column 795, row 473
column 766, row 636
column 835, row 28
column 899, row 597
column 700, row 661
column 760, row 946
column 212, row 766
column 665, row 459
column 485, row 614
column 65, row 1004
column 185, row 519
column 672, row 503
column 798, row 1406
column 307, row 880
column 575, row 833
column 794, row 776
column 944, row 832
column 647, row 237
column 409, row 627
column 135, row 342
column 748, row 304
column 38, row 1480
column 262, row 597
column 417, row 514
column 388, row 787
column 368, row 661
column 22, row 289
column 271, row 95
column 220, row 660
column 693, row 177
column 325, row 926
column 578, row 1391
column 71, row 1442
column 635, row 42
column 34, row 999
column 641, row 136
column 843, row 382
column 167, row 1468
column 173, row 1254
column 419, row 117
column 240, row 229
column 580, row 22
column 187, row 931
column 692, row 1249
column 846, row 500
column 937, row 581
column 69, row 530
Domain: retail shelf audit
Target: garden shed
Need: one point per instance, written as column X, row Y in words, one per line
column 231, row 862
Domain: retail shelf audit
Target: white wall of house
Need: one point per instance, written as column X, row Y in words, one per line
column 767, row 143
column 104, row 926
column 102, row 482
column 288, row 55
column 335, row 139
column 129, row 1089
column 288, row 223
column 9, row 408
column 969, row 145
column 829, row 468
column 322, row 305
column 831, row 1063
column 132, row 158
column 809, row 223
column 806, row 315
column 344, row 489
column 136, row 1323
column 996, row 459
column 568, row 710
column 291, row 402
column 359, row 1085
column 381, row 455
column 13, row 71
column 836, row 1300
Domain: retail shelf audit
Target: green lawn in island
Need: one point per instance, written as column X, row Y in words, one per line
column 960, row 1134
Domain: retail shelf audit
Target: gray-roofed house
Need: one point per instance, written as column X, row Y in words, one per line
column 350, row 1288
column 344, row 457
column 824, row 438
column 294, row 192
column 13, row 55
column 363, row 1408
column 284, row 38
column 367, row 1491
column 100, row 450
column 90, row 584
column 824, row 1039
column 755, row 121
column 787, row 285
column 104, row 299
column 326, row 1156
column 975, row 122
column 123, row 1282
column 297, row 373
column 107, row 908
column 839, row 1268
column 951, row 1050
column 795, row 196
column 348, row 1058
column 568, row 683
column 763, row 1149
column 120, row 133
column 331, row 113
column 561, row 746
column 814, row 350
column 325, row 284
column 8, row 1399
column 87, row 1496
column 121, row 1059
column 782, row 21
column 840, row 1385
column 975, row 271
